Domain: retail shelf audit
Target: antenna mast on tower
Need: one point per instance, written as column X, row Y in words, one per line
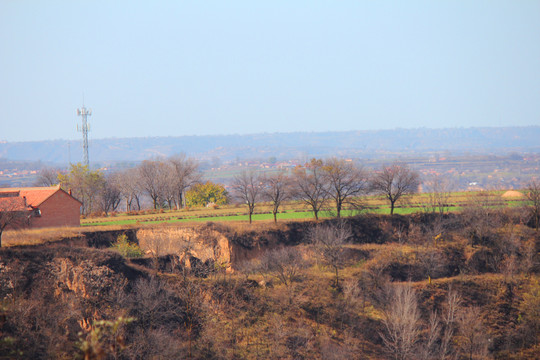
column 84, row 113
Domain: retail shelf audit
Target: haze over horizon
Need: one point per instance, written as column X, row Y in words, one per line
column 180, row 69
column 374, row 131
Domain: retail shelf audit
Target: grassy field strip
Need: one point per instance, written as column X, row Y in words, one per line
column 294, row 210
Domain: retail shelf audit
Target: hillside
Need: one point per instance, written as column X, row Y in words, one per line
column 464, row 286
column 299, row 145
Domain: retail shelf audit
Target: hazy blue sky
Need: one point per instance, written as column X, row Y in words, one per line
column 223, row 67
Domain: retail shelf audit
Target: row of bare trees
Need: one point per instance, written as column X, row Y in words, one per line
column 324, row 184
column 164, row 181
column 454, row 332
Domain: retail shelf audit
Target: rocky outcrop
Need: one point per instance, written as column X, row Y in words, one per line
column 89, row 273
column 203, row 242
column 86, row 278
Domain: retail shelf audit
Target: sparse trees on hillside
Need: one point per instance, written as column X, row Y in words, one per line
column 529, row 312
column 395, row 181
column 401, row 319
column 329, row 241
column 449, row 323
column 276, row 188
column 247, row 188
column 284, row 263
column 345, row 183
column 471, row 337
column 310, row 186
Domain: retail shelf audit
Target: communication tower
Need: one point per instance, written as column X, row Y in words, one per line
column 83, row 112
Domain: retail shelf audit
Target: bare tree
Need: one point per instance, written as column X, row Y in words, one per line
column 533, row 195
column 449, row 318
column 47, row 177
column 346, row 183
column 110, row 194
column 151, row 175
column 394, row 181
column 529, row 312
column 310, row 186
column 191, row 297
column 153, row 304
column 329, row 241
column 284, row 263
column 276, row 188
column 471, row 337
column 438, row 188
column 247, row 188
column 401, row 320
column 130, row 187
column 168, row 189
column 429, row 349
column 350, row 303
column 14, row 213
column 185, row 173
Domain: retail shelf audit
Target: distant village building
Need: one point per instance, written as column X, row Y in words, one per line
column 42, row 206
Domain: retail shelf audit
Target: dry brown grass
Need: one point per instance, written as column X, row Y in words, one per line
column 242, row 227
column 38, row 236
column 44, row 235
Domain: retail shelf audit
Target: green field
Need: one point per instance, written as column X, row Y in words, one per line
column 295, row 210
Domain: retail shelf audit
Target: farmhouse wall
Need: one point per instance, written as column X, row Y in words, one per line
column 58, row 210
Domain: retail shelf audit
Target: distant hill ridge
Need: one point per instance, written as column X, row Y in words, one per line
column 284, row 145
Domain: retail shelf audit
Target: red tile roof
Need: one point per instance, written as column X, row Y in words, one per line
column 13, row 204
column 35, row 196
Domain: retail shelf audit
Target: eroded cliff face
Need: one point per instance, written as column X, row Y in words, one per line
column 216, row 243
column 81, row 266
column 86, row 278
column 87, row 273
column 204, row 243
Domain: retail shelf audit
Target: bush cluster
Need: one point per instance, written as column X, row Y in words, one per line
column 126, row 248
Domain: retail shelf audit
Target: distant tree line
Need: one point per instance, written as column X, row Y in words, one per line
column 332, row 185
column 164, row 181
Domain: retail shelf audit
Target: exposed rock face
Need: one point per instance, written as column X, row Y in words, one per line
column 88, row 273
column 86, row 278
column 203, row 243
column 214, row 243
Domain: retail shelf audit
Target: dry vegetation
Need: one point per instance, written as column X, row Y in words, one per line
column 422, row 286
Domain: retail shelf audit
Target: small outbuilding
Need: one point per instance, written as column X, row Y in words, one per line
column 43, row 206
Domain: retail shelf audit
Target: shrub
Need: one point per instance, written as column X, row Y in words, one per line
column 127, row 249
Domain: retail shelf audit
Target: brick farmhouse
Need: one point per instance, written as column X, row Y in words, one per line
column 41, row 206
